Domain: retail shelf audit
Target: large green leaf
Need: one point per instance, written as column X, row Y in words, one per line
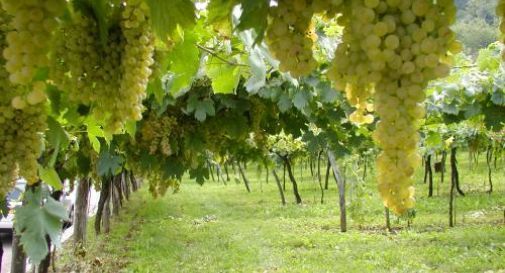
column 184, row 62
column 258, row 53
column 167, row 15
column 39, row 217
column 220, row 14
column 225, row 77
column 50, row 177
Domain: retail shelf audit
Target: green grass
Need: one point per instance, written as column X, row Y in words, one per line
column 217, row 228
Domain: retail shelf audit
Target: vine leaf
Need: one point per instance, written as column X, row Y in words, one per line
column 433, row 140
column 205, row 108
column 284, row 103
column 166, row 16
column 95, row 132
column 327, row 93
column 225, row 77
column 494, row 115
column 108, row 162
column 220, row 14
column 57, row 137
column 173, row 168
column 50, row 177
column 200, row 174
column 256, row 59
column 39, row 217
column 184, row 62
column 254, row 16
column 301, row 99
column 200, row 108
column 131, row 128
column 498, row 97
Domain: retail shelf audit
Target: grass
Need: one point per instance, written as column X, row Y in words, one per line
column 218, row 228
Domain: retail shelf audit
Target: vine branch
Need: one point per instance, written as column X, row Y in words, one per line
column 214, row 54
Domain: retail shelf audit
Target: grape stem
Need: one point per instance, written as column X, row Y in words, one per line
column 213, row 53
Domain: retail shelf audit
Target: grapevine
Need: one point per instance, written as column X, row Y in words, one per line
column 390, row 51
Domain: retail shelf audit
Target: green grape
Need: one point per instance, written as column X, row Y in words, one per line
column 29, row 40
column 291, row 33
column 136, row 60
column 402, row 45
column 256, row 114
column 76, row 58
column 22, row 119
column 113, row 78
column 154, row 134
column 158, row 185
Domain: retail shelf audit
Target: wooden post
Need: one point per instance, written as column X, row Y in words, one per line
column 388, row 219
column 18, row 263
column 81, row 212
column 293, row 180
column 341, row 190
column 246, row 181
column 279, row 186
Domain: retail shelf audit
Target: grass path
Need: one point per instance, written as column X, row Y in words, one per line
column 217, row 228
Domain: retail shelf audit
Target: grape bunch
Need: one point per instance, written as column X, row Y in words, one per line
column 500, row 11
column 136, row 62
column 77, row 40
column 256, row 114
column 391, row 49
column 20, row 141
column 155, row 134
column 291, row 33
column 29, row 40
column 22, row 119
column 158, row 185
column 114, row 76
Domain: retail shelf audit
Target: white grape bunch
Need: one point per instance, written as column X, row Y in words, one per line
column 291, row 33
column 22, row 119
column 111, row 78
column 155, row 132
column 136, row 62
column 391, row 49
column 76, row 58
column 29, row 40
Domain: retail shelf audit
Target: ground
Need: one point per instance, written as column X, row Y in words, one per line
column 222, row 228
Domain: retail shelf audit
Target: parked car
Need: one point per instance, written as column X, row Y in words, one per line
column 14, row 199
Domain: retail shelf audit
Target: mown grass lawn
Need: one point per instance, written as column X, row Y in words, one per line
column 218, row 228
